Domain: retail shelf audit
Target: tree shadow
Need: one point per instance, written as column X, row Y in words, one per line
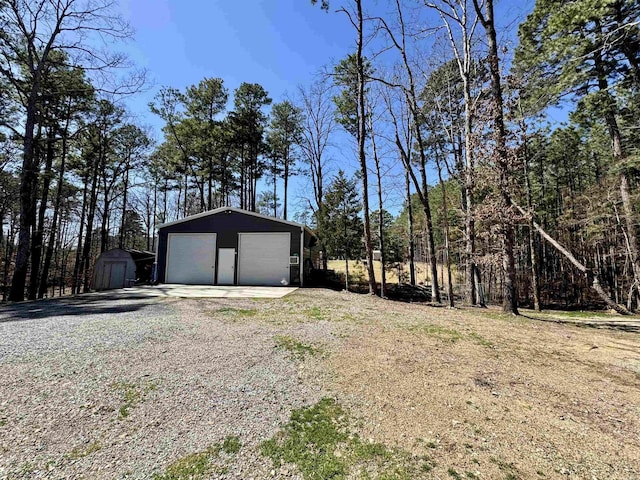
column 84, row 304
column 623, row 325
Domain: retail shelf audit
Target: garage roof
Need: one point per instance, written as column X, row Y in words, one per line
column 237, row 210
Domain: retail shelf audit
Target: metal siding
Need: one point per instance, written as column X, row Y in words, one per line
column 227, row 226
column 102, row 274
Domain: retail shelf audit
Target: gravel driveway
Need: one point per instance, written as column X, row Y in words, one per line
column 150, row 388
column 103, row 387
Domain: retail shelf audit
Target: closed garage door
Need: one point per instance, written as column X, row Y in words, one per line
column 264, row 258
column 191, row 258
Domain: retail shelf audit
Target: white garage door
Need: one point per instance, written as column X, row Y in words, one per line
column 191, row 258
column 264, row 258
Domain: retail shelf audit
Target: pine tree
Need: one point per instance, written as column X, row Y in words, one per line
column 339, row 224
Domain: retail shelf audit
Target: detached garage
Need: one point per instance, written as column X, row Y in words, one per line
column 230, row 246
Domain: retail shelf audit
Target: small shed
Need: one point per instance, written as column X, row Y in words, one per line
column 231, row 246
column 119, row 268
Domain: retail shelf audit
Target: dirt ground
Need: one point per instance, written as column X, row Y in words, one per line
column 477, row 393
column 499, row 397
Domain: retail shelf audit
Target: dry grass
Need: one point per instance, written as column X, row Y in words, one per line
column 503, row 397
column 429, row 393
column 358, row 269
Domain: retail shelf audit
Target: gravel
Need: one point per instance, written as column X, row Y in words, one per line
column 104, row 387
column 107, row 387
column 80, row 324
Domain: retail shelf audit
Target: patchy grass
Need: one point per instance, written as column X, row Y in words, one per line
column 454, row 474
column 508, row 469
column 479, row 339
column 131, row 395
column 295, row 347
column 315, row 313
column 442, row 333
column 238, row 312
column 319, row 442
column 84, row 451
column 27, row 469
column 199, row 465
column 449, row 334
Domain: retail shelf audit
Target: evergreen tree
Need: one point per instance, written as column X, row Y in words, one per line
column 340, row 226
column 285, row 134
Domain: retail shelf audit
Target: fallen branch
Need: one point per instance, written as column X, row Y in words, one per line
column 592, row 277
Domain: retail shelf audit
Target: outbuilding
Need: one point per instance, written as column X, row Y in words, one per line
column 118, row 268
column 231, row 246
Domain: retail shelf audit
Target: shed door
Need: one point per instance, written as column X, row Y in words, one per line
column 264, row 258
column 191, row 258
column 113, row 274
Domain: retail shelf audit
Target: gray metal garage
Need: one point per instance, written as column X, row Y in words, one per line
column 230, row 246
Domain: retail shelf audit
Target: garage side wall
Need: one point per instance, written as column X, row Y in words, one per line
column 227, row 226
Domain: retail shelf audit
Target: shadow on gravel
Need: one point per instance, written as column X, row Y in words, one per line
column 103, row 304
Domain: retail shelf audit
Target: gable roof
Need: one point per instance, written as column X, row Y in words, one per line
column 237, row 210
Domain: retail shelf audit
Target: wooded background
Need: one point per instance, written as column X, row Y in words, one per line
column 518, row 210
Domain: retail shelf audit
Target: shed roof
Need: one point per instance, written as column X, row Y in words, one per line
column 141, row 254
column 237, row 210
column 135, row 254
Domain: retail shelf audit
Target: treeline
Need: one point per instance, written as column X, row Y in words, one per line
column 529, row 213
column 501, row 205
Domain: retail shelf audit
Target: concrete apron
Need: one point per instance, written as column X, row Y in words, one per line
column 207, row 291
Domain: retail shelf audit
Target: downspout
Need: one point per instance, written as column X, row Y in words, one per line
column 154, row 274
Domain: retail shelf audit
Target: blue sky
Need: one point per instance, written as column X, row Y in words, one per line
column 279, row 44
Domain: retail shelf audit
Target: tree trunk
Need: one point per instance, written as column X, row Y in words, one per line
column 28, row 188
column 104, row 225
column 619, row 155
column 86, row 248
column 433, row 263
column 510, row 295
column 412, row 245
column 275, row 187
column 7, row 257
column 125, row 189
column 535, row 276
column 38, row 237
column 75, row 284
column 383, row 277
column 591, row 276
column 42, row 290
column 412, row 102
column 362, row 131
column 286, row 186
column 445, row 214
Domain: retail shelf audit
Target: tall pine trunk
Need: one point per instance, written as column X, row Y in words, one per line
column 38, row 237
column 362, row 158
column 510, row 295
column 125, row 190
column 412, row 243
column 445, row 213
column 376, row 160
column 42, row 289
column 86, row 248
column 28, row 189
column 535, row 275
